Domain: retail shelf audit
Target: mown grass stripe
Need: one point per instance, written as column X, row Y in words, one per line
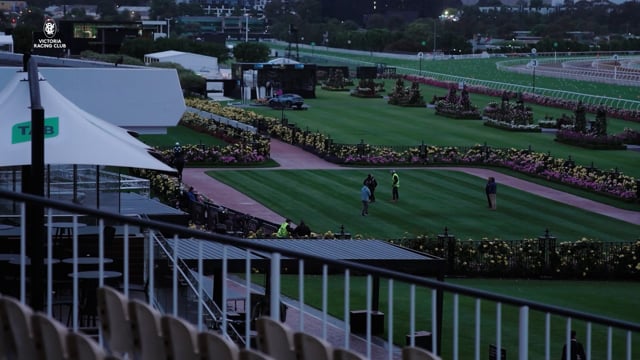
column 429, row 201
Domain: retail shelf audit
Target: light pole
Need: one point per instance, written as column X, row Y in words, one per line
column 246, row 28
column 434, row 38
column 420, row 56
column 534, row 65
column 168, row 20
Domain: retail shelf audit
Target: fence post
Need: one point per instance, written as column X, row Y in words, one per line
column 327, row 144
column 569, row 163
column 547, row 244
column 450, row 241
column 342, row 234
column 485, row 151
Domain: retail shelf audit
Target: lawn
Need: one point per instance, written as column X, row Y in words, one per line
column 430, row 201
column 350, row 120
column 579, row 295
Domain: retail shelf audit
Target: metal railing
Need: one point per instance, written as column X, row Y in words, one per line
column 473, row 320
column 507, row 65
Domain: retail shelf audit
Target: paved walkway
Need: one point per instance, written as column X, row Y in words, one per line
column 292, row 157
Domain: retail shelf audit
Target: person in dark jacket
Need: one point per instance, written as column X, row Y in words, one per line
column 301, row 230
column 577, row 351
column 371, row 183
column 491, row 189
column 178, row 155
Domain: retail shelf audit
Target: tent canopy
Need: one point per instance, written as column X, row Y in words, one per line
column 72, row 136
column 279, row 61
column 205, row 66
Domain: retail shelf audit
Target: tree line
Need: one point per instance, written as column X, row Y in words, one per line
column 613, row 26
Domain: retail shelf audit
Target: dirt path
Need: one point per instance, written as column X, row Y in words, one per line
column 294, row 158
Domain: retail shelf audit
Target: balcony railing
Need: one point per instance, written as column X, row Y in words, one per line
column 172, row 266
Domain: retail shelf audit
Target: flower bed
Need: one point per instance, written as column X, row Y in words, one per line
column 624, row 114
column 630, row 137
column 511, row 126
column 365, row 93
column 530, row 258
column 590, row 141
column 456, row 111
column 334, row 88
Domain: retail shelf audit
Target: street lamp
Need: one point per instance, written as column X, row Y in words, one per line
column 434, row 38
column 246, row 28
column 534, row 65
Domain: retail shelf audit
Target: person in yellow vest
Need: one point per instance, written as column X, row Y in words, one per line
column 394, row 186
column 285, row 229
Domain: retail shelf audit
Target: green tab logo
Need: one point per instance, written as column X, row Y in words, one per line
column 21, row 132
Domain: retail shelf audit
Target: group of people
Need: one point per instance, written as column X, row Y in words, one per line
column 367, row 192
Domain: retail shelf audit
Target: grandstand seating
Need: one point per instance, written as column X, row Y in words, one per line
column 134, row 329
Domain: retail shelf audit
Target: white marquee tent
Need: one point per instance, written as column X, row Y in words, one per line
column 72, row 135
column 205, row 66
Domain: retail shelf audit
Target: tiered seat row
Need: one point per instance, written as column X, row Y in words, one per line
column 133, row 329
column 29, row 335
column 281, row 342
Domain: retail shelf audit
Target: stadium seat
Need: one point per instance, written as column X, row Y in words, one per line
column 146, row 326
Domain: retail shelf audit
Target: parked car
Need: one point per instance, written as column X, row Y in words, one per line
column 286, row 101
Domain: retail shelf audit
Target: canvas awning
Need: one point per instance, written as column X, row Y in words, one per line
column 278, row 61
column 72, row 136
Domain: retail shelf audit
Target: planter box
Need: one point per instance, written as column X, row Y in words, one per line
column 507, row 127
column 459, row 116
column 423, row 339
column 358, row 322
column 591, row 146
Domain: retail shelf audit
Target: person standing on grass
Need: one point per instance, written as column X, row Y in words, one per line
column 365, row 195
column 490, row 189
column 371, row 183
column 577, row 350
column 395, row 185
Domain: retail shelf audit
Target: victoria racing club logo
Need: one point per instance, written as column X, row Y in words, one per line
column 49, row 28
